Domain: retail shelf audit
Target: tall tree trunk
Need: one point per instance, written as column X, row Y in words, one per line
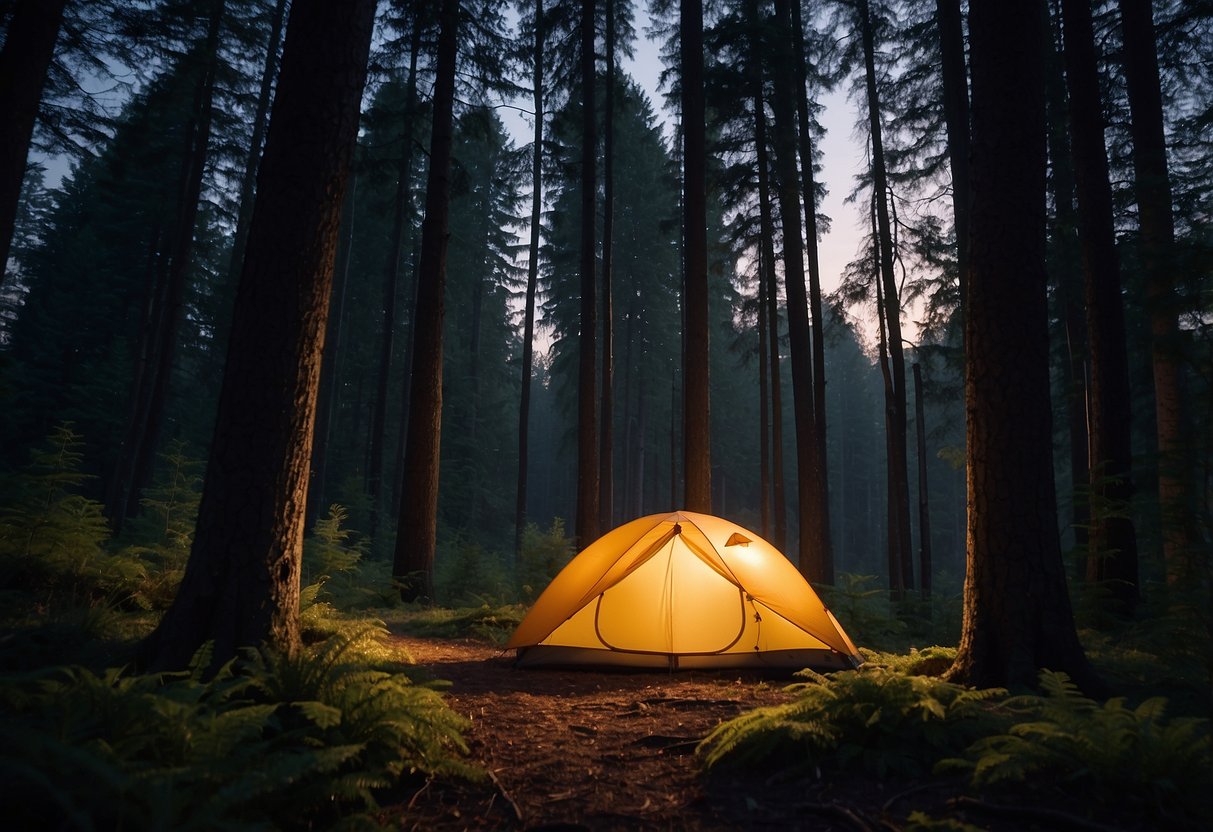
column 1017, row 615
column 895, row 394
column 808, row 185
column 924, row 504
column 606, row 451
column 764, row 414
column 587, row 395
column 241, row 585
column 532, row 276
column 411, row 295
column 1113, row 543
column 696, row 410
column 248, row 178
column 893, row 554
column 330, row 362
column 1068, row 280
column 1152, row 185
column 768, row 298
column 417, row 530
column 402, row 208
column 810, row 560
column 138, row 451
column 768, row 277
column 25, row 59
column 956, row 116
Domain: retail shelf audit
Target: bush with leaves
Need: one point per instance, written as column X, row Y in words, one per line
column 544, row 554
column 874, row 719
column 1113, row 754
column 270, row 741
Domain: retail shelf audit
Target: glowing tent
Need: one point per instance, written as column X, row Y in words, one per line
column 682, row 590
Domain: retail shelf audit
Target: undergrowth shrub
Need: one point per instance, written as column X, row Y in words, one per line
column 270, row 741
column 53, row 539
column 877, row 720
column 1111, row 753
column 544, row 554
column 164, row 530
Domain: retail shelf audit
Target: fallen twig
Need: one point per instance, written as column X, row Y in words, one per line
column 506, row 795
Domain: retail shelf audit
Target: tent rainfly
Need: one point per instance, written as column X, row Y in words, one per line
column 681, row 590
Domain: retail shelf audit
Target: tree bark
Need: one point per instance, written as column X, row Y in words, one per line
column 402, row 208
column 417, row 530
column 587, row 394
column 25, row 60
column 770, row 298
column 330, row 362
column 241, row 585
column 606, row 427
column 924, row 504
column 1068, row 281
column 696, row 411
column 532, row 276
column 1017, row 616
column 895, row 390
column 1152, row 185
column 820, row 483
column 1113, row 542
column 956, row 117
column 764, row 414
column 810, row 560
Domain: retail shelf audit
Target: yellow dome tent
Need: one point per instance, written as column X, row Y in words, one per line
column 681, row 590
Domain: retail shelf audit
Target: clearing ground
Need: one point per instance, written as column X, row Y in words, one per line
column 587, row 750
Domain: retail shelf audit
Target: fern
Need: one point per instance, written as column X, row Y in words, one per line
column 1119, row 755
column 876, row 720
column 331, row 549
column 266, row 742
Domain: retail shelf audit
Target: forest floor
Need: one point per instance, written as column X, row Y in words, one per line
column 570, row 750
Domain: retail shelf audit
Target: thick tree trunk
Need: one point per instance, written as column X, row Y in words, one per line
column 417, row 531
column 895, row 389
column 1153, row 188
column 587, row 530
column 241, row 585
column 956, row 116
column 606, row 419
column 25, row 59
column 532, row 277
column 821, row 480
column 1113, row 543
column 1017, row 615
column 810, row 558
column 697, row 423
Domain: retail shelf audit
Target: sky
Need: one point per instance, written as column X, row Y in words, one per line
column 843, row 155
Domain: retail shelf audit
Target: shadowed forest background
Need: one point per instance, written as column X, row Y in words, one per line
column 304, row 345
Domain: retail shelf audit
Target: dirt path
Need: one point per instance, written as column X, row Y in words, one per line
column 569, row 750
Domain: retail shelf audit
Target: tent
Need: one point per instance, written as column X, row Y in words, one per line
column 681, row 590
